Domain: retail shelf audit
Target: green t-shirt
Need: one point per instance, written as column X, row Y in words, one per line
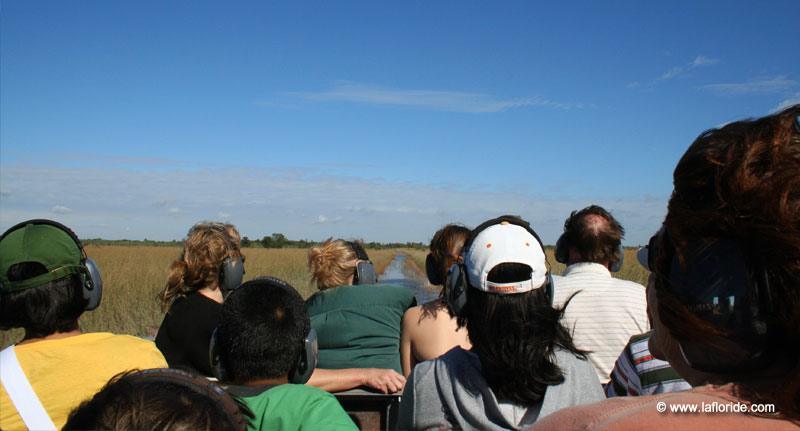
column 359, row 326
column 297, row 407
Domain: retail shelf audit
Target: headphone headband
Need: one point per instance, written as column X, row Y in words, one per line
column 510, row 219
column 237, row 413
column 91, row 281
column 44, row 221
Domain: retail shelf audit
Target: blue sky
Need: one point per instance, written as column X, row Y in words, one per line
column 366, row 119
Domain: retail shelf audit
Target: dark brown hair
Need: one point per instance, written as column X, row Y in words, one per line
column 742, row 182
column 445, row 247
column 594, row 242
column 159, row 399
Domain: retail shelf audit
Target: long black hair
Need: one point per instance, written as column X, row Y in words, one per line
column 515, row 337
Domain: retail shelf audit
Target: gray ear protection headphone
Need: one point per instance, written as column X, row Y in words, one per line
column 717, row 284
column 91, row 281
column 457, row 280
column 306, row 362
column 563, row 245
column 365, row 271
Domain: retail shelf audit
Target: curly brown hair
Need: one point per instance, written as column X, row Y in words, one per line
column 742, row 182
column 206, row 246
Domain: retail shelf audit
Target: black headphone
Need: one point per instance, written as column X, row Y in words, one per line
column 365, row 270
column 719, row 286
column 231, row 273
column 457, row 280
column 89, row 273
column 306, row 363
column 432, row 270
column 563, row 245
column 237, row 412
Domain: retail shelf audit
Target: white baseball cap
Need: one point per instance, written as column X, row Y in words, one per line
column 505, row 243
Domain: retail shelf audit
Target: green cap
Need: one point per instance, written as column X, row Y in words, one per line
column 42, row 243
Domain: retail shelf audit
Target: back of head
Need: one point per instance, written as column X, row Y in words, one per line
column 511, row 323
column 163, row 399
column 261, row 330
column 739, row 185
column 205, row 248
column 41, row 269
column 594, row 234
column 445, row 248
column 332, row 263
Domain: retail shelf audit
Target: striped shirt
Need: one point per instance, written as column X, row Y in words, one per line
column 637, row 372
column 604, row 313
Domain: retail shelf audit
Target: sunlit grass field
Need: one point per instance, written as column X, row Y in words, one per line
column 134, row 275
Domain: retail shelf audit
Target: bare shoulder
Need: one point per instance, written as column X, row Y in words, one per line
column 412, row 317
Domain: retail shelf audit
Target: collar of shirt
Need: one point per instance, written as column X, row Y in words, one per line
column 586, row 267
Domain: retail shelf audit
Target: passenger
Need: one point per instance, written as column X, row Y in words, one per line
column 604, row 312
column 431, row 329
column 723, row 291
column 210, row 265
column 160, row 399
column 637, row 372
column 523, row 364
column 358, row 321
column 46, row 283
column 266, row 348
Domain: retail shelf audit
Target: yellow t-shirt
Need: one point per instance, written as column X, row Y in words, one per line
column 67, row 371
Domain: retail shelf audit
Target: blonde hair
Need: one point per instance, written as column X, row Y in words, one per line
column 205, row 248
column 331, row 263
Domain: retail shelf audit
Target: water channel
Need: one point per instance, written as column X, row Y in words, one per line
column 400, row 274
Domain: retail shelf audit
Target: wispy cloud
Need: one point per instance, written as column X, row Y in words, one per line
column 676, row 71
column 699, row 61
column 452, row 101
column 60, row 209
column 314, row 205
column 762, row 85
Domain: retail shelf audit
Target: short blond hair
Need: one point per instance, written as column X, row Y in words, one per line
column 331, row 263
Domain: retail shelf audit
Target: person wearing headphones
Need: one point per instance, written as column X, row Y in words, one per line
column 357, row 320
column 266, row 352
column 523, row 364
column 430, row 330
column 210, row 266
column 46, row 283
column 604, row 312
column 160, row 399
column 724, row 288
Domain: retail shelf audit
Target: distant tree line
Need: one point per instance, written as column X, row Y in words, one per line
column 276, row 240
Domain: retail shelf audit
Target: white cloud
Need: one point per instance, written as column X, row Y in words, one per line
column 311, row 205
column 699, row 61
column 223, row 215
column 702, row 60
column 60, row 209
column 437, row 100
column 763, row 85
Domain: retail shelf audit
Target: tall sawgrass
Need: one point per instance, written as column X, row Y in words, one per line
column 133, row 276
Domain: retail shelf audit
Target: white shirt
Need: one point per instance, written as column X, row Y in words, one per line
column 604, row 315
